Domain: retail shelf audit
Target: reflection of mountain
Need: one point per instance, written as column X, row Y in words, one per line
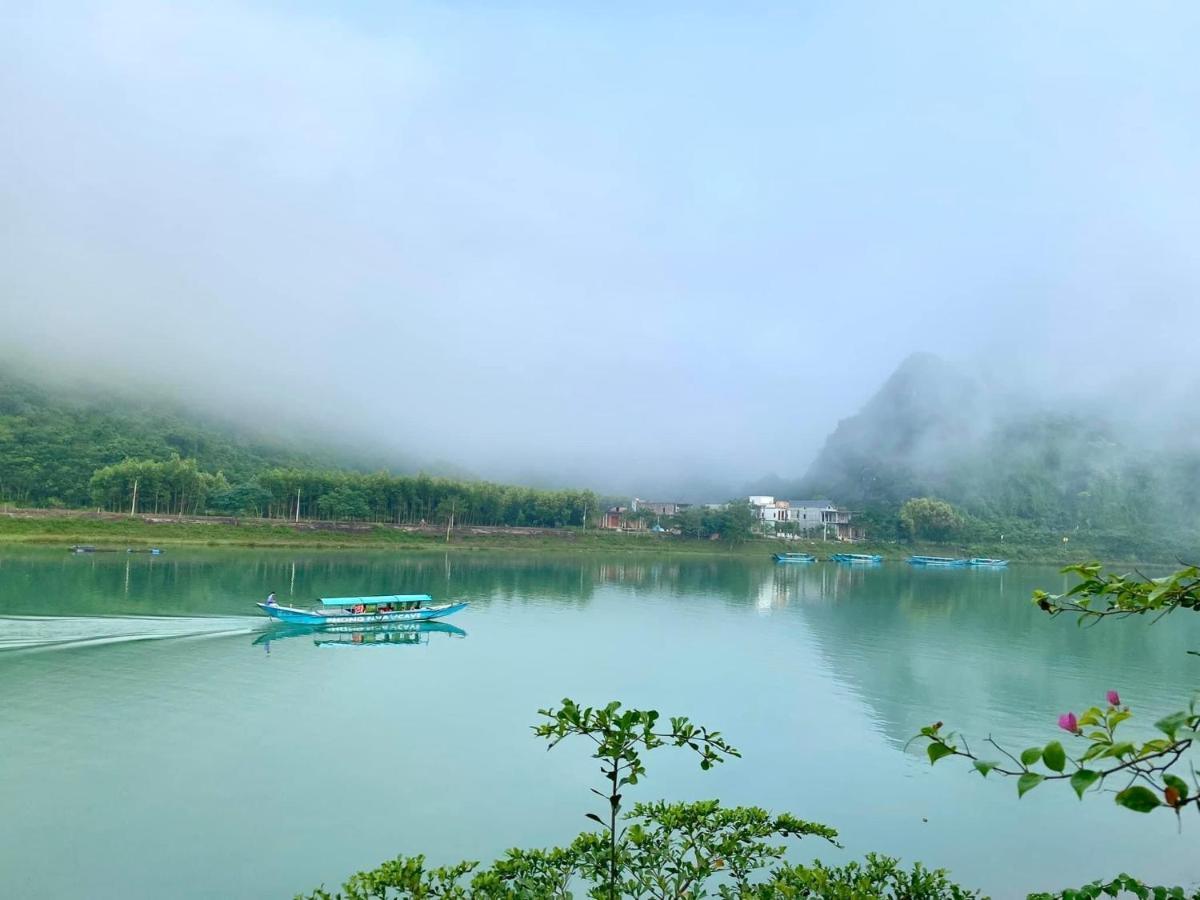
column 207, row 582
column 913, row 643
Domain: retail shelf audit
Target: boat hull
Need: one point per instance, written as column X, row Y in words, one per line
column 295, row 616
column 857, row 559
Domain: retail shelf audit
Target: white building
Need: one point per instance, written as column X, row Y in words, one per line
column 805, row 516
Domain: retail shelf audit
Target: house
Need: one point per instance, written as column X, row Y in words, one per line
column 806, row 516
column 660, row 507
column 622, row 518
column 613, row 516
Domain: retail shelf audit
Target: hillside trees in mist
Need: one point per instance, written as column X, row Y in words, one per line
column 52, row 442
column 1012, row 467
column 178, row 486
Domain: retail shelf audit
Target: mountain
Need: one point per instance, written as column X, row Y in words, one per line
column 935, row 429
column 54, row 435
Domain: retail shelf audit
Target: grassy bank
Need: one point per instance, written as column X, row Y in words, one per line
column 119, row 533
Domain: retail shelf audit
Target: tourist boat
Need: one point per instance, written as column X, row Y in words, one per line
column 388, row 634
column 982, row 562
column 794, row 557
column 944, row 562
column 364, row 610
column 857, row 558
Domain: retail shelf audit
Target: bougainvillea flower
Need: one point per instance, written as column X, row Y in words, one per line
column 1114, row 699
column 1068, row 722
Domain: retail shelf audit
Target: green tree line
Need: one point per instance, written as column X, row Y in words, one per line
column 178, row 486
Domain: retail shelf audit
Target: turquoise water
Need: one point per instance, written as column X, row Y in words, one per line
column 153, row 744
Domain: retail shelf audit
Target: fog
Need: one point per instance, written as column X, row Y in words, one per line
column 614, row 246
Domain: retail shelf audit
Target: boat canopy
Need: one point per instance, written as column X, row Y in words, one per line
column 376, row 601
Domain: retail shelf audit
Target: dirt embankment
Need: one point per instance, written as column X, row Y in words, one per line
column 304, row 525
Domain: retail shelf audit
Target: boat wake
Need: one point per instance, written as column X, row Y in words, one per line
column 49, row 632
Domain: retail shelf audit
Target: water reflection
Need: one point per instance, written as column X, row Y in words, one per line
column 382, row 635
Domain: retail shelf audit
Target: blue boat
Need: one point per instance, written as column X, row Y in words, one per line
column 982, row 562
column 943, row 562
column 794, row 557
column 868, row 559
column 364, row 610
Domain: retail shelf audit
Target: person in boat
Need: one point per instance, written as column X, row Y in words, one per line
column 271, row 599
column 359, row 608
column 386, row 608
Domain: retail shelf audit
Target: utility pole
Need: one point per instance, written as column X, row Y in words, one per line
column 297, row 506
column 133, row 505
column 450, row 521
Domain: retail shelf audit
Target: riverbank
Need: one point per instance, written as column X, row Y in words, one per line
column 110, row 531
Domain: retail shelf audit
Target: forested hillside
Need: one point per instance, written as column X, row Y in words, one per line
column 75, row 450
column 52, row 440
column 934, row 430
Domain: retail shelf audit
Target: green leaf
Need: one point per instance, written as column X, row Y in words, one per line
column 1028, row 782
column 937, row 751
column 1178, row 783
column 983, row 767
column 1054, row 757
column 1171, row 724
column 1138, row 798
column 1082, row 780
column 1030, row 756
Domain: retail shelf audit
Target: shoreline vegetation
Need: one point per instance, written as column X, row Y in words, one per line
column 33, row 527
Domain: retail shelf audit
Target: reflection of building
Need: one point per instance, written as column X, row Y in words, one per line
column 806, row 517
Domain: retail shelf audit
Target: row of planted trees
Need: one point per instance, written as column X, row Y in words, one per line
column 177, row 486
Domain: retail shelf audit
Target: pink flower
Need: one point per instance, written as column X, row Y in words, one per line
column 1068, row 722
column 1114, row 699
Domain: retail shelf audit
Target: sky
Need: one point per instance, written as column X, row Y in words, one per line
column 622, row 245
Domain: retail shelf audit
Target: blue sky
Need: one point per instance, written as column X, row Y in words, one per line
column 601, row 242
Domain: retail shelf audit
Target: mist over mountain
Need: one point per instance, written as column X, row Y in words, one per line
column 939, row 429
column 55, row 433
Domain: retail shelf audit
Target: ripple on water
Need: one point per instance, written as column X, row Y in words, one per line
column 31, row 633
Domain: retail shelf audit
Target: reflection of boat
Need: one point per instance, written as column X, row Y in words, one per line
column 869, row 559
column 361, row 635
column 982, row 562
column 363, row 610
column 794, row 557
column 943, row 562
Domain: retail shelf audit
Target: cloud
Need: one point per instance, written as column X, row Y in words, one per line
column 617, row 246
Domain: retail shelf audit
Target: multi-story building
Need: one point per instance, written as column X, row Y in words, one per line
column 807, row 516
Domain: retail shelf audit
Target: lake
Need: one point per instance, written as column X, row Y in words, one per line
column 153, row 744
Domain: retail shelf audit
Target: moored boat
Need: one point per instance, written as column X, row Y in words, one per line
column 793, row 557
column 363, row 610
column 983, row 562
column 857, row 558
column 944, row 562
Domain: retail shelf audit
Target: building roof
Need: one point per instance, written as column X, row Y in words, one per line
column 811, row 504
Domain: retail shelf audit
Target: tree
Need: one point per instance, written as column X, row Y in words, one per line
column 736, row 522
column 666, row 850
column 1149, row 772
column 924, row 518
column 250, row 498
column 343, row 502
